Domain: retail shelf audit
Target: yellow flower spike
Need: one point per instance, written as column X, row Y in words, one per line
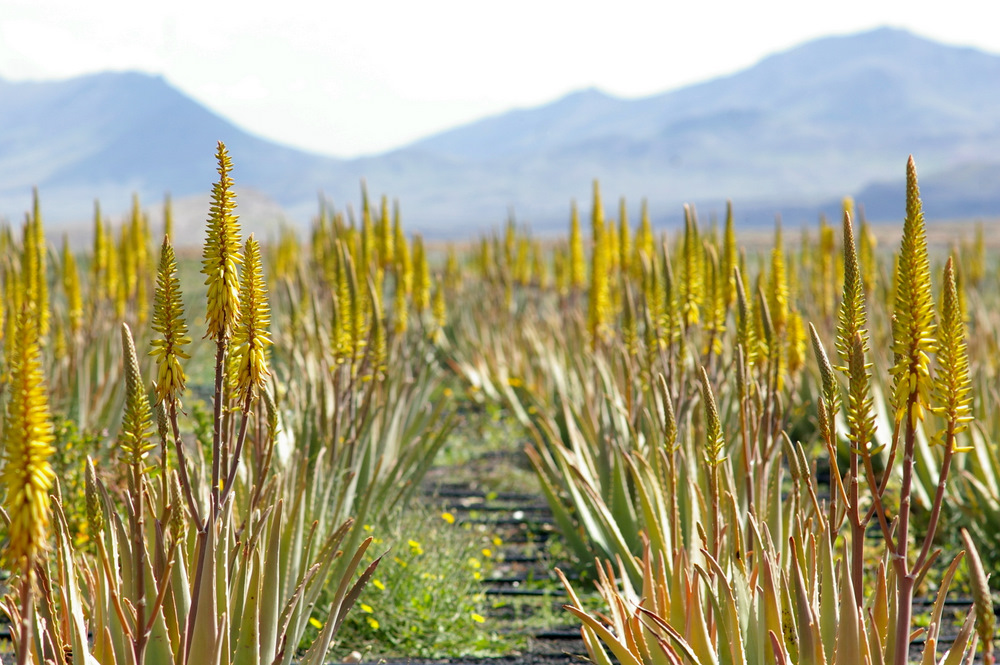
column 777, row 285
column 852, row 317
column 400, row 311
column 953, row 385
column 831, row 390
column 404, row 264
column 715, row 323
column 113, row 282
column 452, row 271
column 691, row 269
column 14, row 297
column 139, row 237
column 611, row 239
column 71, row 289
column 40, row 278
column 386, row 242
column 868, row 243
column 137, row 419
column 438, row 306
column 913, row 324
column 796, row 342
column 577, row 267
column 645, row 244
column 730, row 250
column 221, row 255
column 29, row 271
column 168, row 321
column 746, row 331
column 251, row 340
column 599, row 303
column 714, row 443
column 27, row 437
column 99, row 259
column 369, row 242
column 624, row 239
column 860, row 404
column 421, row 277
column 95, row 517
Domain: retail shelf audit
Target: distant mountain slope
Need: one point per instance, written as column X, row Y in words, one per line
column 108, row 135
column 799, row 129
column 820, row 120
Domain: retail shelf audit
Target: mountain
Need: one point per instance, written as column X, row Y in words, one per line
column 111, row 134
column 788, row 135
column 816, row 122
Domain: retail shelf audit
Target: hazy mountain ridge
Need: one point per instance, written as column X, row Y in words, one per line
column 796, row 131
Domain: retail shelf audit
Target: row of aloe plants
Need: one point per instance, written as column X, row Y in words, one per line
column 678, row 425
column 226, row 537
column 676, row 415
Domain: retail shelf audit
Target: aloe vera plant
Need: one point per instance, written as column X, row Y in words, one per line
column 805, row 607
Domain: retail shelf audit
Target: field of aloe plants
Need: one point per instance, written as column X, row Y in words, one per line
column 753, row 450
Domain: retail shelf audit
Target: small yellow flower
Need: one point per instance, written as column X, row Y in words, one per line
column 487, row 552
column 378, row 584
column 497, row 541
column 474, row 563
column 415, row 547
column 448, row 517
column 373, row 622
column 478, row 618
column 316, row 624
column 368, row 527
column 367, row 609
column 399, row 562
column 448, row 392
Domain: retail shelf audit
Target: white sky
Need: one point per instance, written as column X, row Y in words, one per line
column 350, row 77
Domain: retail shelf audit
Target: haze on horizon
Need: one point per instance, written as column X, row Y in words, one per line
column 349, row 79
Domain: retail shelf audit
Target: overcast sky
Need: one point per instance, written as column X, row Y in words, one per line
column 363, row 76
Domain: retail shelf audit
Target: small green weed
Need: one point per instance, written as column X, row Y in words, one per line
column 426, row 599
